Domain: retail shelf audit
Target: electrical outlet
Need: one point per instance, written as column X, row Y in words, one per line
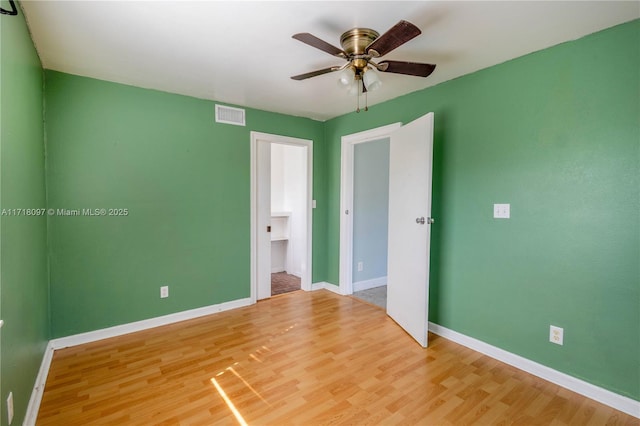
column 360, row 266
column 10, row 407
column 556, row 335
column 502, row 211
column 164, row 291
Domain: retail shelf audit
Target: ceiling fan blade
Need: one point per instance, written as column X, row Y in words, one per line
column 314, row 73
column 408, row 68
column 397, row 35
column 314, row 41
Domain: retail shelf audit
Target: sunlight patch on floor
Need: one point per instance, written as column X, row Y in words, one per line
column 226, row 399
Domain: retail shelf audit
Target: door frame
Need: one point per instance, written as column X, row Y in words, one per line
column 305, row 282
column 348, row 143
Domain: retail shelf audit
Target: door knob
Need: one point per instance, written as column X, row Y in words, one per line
column 422, row 220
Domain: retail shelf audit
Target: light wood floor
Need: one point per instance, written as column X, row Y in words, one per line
column 301, row 358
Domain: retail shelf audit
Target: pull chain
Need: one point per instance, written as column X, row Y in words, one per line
column 366, row 99
column 358, row 97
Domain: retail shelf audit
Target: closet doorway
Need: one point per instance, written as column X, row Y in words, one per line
column 281, row 214
column 370, row 218
column 365, row 207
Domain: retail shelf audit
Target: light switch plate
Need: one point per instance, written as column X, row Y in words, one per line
column 502, row 211
column 313, row 204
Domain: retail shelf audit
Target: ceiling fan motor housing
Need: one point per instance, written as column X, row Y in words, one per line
column 355, row 41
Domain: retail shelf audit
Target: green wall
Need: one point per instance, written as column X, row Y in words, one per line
column 24, row 304
column 185, row 182
column 556, row 134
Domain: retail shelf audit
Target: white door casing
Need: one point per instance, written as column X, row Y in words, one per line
column 263, row 259
column 410, row 175
column 348, row 143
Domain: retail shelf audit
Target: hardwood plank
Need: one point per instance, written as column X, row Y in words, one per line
column 301, row 358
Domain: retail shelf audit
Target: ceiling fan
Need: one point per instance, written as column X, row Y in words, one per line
column 359, row 47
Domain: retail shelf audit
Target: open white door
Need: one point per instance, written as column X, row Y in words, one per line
column 410, row 167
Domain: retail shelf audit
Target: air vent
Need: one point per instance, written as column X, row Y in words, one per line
column 229, row 115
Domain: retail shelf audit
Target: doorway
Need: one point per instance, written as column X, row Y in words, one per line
column 371, row 274
column 288, row 216
column 409, row 220
column 370, row 221
column 281, row 192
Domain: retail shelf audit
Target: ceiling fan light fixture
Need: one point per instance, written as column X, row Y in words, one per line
column 346, row 77
column 371, row 80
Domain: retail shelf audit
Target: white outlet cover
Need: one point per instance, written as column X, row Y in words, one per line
column 10, row 407
column 502, row 211
column 313, row 204
column 164, row 291
column 556, row 335
column 360, row 266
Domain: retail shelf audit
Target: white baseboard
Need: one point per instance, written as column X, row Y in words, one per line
column 119, row 330
column 317, row 286
column 367, row 284
column 332, row 287
column 604, row 396
column 327, row 286
column 38, row 388
column 276, row 269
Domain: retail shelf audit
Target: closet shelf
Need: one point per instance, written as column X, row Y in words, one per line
column 280, row 227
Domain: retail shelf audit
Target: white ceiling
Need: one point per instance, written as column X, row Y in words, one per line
column 241, row 52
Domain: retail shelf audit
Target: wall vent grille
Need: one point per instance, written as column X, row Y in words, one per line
column 230, row 115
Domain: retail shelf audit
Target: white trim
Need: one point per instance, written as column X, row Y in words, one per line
column 367, row 284
column 604, row 396
column 323, row 285
column 253, row 211
column 318, row 286
column 119, row 330
column 305, row 279
column 333, row 288
column 38, row 388
column 346, row 198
